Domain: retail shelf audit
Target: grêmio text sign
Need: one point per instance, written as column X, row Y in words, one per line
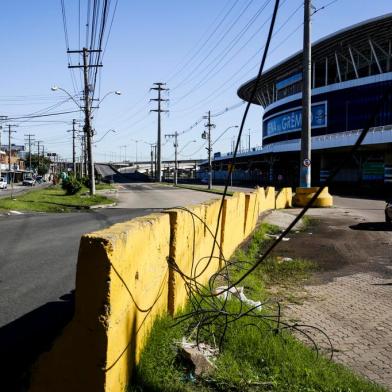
column 291, row 120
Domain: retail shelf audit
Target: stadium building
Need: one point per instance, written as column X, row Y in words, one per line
column 351, row 70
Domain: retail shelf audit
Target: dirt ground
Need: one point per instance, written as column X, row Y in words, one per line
column 350, row 295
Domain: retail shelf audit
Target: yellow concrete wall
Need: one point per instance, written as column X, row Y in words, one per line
column 261, row 200
column 283, row 198
column 192, row 238
column 303, row 196
column 270, row 198
column 124, row 282
column 121, row 287
column 251, row 212
column 233, row 220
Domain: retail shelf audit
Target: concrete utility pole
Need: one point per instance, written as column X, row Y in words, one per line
column 29, row 141
column 207, row 135
column 38, row 157
column 10, row 132
column 306, row 137
column 175, row 135
column 88, row 131
column 159, row 87
column 152, row 160
column 2, row 118
column 73, row 130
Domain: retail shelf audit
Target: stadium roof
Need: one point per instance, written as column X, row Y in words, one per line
column 358, row 35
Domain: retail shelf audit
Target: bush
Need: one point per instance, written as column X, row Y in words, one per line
column 71, row 185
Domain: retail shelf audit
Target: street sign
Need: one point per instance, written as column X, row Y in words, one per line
column 306, row 162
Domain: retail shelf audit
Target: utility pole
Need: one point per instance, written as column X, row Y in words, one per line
column 10, row 132
column 175, row 135
column 39, row 160
column 2, row 118
column 159, row 87
column 249, row 140
column 207, row 135
column 29, row 141
column 306, row 137
column 155, row 161
column 152, row 160
column 88, row 131
column 73, row 130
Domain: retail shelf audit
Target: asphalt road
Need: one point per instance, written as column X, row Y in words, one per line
column 19, row 189
column 38, row 265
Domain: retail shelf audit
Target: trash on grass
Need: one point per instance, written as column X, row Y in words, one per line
column 276, row 236
column 238, row 292
column 201, row 356
column 281, row 259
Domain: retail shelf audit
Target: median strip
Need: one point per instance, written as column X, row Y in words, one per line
column 53, row 199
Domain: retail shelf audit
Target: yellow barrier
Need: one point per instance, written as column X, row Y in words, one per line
column 124, row 282
column 192, row 233
column 251, row 212
column 233, row 218
column 303, row 195
column 121, row 287
column 284, row 198
column 270, row 198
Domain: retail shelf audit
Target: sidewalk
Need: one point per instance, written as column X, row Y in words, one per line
column 350, row 295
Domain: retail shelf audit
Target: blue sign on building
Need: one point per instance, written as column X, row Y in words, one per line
column 291, row 121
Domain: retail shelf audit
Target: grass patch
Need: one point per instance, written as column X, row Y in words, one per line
column 202, row 189
column 104, row 186
column 52, row 199
column 255, row 357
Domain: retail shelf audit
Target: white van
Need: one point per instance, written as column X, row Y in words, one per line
column 3, row 183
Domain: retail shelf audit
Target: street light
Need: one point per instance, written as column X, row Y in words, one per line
column 116, row 92
column 186, row 145
column 136, row 142
column 110, row 130
column 56, row 88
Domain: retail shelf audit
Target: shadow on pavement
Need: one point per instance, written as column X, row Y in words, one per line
column 372, row 226
column 23, row 340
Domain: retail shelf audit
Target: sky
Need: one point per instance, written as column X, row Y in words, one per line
column 203, row 50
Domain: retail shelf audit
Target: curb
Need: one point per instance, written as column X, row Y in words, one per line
column 102, row 206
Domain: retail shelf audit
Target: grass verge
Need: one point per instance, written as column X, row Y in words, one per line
column 199, row 188
column 104, row 186
column 255, row 356
column 52, row 199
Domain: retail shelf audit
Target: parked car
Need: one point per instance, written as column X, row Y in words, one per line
column 29, row 181
column 3, row 183
column 388, row 212
column 39, row 179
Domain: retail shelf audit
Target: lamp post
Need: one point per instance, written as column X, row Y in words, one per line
column 136, row 142
column 110, row 130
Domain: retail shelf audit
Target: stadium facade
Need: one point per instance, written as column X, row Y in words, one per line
column 351, row 70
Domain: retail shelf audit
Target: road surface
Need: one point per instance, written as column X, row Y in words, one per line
column 39, row 251
column 38, row 265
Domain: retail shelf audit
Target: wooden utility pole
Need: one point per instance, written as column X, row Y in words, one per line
column 159, row 87
column 306, row 137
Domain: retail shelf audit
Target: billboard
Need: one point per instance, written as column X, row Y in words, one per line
column 291, row 120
